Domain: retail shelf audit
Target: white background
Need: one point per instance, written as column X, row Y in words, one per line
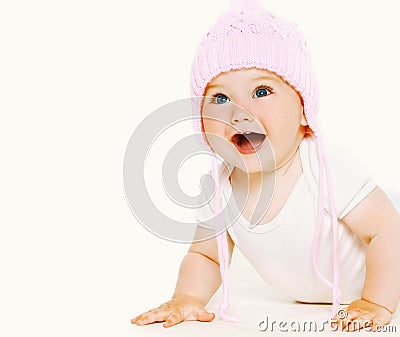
column 76, row 78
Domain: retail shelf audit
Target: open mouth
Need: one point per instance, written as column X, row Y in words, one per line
column 248, row 142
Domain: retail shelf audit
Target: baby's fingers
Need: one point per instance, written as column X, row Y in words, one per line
column 151, row 316
column 356, row 319
column 205, row 316
column 361, row 314
column 360, row 319
column 377, row 324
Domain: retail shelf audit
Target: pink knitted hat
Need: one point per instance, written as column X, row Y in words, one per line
column 248, row 36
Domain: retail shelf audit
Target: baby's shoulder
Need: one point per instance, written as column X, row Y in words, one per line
column 340, row 159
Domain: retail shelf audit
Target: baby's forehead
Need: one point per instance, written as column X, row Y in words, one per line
column 243, row 75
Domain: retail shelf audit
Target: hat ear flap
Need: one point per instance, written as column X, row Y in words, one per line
column 303, row 121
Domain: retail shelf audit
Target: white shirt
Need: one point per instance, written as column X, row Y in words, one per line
column 281, row 250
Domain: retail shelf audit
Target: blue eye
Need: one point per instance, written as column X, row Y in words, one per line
column 262, row 92
column 221, row 99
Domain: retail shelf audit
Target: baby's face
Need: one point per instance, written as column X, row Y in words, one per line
column 253, row 119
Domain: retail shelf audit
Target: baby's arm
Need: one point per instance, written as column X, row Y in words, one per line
column 199, row 278
column 376, row 221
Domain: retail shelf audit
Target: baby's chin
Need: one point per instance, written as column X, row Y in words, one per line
column 252, row 164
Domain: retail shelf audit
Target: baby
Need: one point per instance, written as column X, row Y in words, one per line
column 281, row 194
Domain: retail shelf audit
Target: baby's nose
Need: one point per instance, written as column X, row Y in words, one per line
column 240, row 115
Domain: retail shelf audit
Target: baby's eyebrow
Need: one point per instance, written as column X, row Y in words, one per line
column 212, row 86
column 215, row 86
column 259, row 78
column 268, row 78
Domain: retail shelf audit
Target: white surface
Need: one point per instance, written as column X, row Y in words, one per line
column 253, row 300
column 76, row 77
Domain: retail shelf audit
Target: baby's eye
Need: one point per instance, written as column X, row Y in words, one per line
column 262, row 92
column 220, row 99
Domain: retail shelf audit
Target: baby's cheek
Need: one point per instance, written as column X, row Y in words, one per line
column 213, row 126
column 208, row 126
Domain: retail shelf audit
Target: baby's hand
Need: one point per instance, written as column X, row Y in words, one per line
column 179, row 309
column 363, row 314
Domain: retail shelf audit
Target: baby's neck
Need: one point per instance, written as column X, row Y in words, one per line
column 268, row 189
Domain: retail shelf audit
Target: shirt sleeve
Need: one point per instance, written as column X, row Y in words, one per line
column 351, row 181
